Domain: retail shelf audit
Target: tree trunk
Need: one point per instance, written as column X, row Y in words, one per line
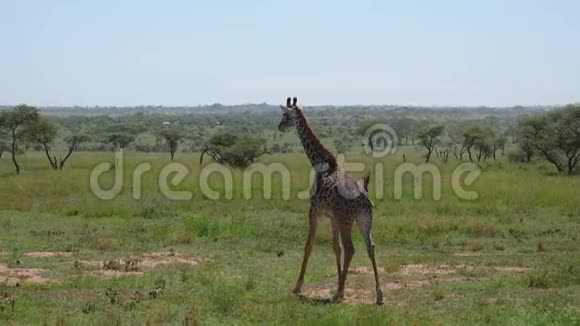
column 63, row 161
column 201, row 156
column 572, row 161
column 16, row 166
column 428, row 155
column 464, row 149
column 469, row 152
column 573, row 166
column 173, row 149
column 552, row 160
column 52, row 163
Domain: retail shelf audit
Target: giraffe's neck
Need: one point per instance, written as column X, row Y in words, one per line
column 316, row 152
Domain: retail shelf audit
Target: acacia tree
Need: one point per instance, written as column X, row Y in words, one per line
column 534, row 132
column 16, row 122
column 446, row 147
column 430, row 138
column 568, row 136
column 406, row 129
column 119, row 140
column 3, row 140
column 73, row 142
column 44, row 132
column 476, row 140
column 499, row 144
column 483, row 147
column 235, row 150
column 172, row 137
column 555, row 136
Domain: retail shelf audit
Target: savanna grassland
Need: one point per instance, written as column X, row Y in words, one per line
column 68, row 258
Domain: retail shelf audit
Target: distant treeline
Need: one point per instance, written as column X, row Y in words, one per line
column 474, row 134
column 263, row 107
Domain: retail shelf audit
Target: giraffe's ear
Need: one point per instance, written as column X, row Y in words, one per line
column 283, row 108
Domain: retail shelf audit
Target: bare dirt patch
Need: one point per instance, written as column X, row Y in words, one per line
column 358, row 296
column 17, row 276
column 423, row 269
column 401, row 284
column 154, row 259
column 136, row 265
column 109, row 273
column 416, row 269
column 412, row 276
column 47, row 254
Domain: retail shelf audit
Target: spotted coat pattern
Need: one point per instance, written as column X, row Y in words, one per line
column 336, row 195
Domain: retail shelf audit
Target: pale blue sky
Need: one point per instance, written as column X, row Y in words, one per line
column 485, row 52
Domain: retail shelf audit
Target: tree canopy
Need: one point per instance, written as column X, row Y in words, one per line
column 554, row 136
column 16, row 122
column 429, row 138
column 172, row 137
column 235, row 150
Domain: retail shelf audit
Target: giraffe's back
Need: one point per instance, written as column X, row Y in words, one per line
column 342, row 195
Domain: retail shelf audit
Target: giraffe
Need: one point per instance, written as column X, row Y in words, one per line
column 336, row 195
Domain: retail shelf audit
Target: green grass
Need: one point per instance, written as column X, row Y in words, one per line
column 251, row 250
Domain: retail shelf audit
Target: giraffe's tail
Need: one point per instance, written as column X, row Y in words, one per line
column 366, row 180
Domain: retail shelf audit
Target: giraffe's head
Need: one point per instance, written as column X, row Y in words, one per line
column 289, row 114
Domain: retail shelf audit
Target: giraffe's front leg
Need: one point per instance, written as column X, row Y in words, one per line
column 336, row 248
column 313, row 223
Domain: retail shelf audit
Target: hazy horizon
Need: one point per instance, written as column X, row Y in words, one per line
column 443, row 54
column 275, row 105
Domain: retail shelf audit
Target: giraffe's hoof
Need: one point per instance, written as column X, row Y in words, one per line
column 297, row 291
column 380, row 303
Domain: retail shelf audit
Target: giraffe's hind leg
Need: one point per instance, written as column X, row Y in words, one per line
column 348, row 247
column 365, row 222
